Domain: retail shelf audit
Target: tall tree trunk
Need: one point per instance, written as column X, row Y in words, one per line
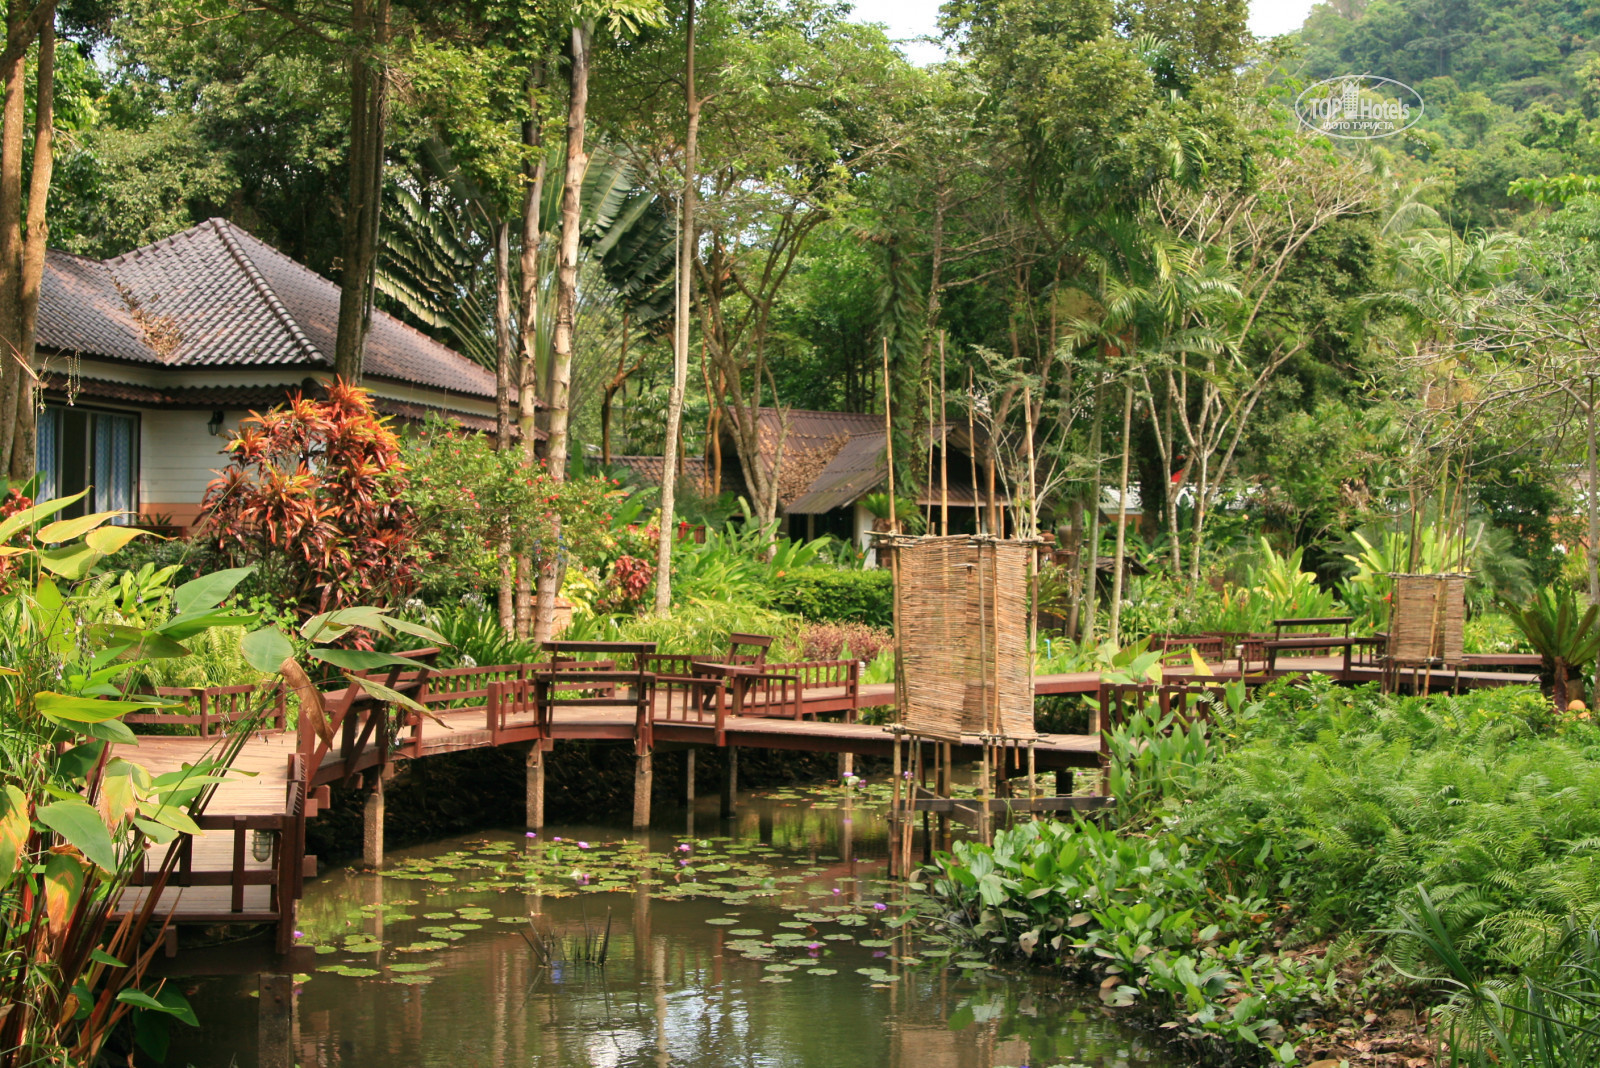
column 1122, row 518
column 503, row 360
column 35, row 244
column 1594, row 524
column 1091, row 581
column 528, row 319
column 22, row 252
column 687, row 250
column 12, row 119
column 369, row 24
column 562, row 346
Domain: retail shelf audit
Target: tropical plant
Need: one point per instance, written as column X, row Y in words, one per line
column 312, row 496
column 1563, row 633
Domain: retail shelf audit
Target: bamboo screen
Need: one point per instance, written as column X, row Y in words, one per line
column 962, row 636
column 1426, row 617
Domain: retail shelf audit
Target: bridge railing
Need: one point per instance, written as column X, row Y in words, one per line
column 215, row 708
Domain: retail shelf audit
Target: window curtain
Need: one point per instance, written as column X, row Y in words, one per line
column 48, row 440
column 113, row 464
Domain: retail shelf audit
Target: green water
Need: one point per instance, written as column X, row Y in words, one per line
column 769, row 941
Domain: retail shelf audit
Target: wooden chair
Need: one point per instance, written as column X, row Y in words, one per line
column 704, row 691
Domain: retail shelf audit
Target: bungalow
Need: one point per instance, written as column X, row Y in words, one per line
column 830, row 462
column 146, row 359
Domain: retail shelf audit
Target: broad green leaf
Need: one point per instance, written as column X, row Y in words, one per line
column 14, row 827
column 155, row 831
column 108, row 540
column 71, row 561
column 364, row 660
column 266, row 649
column 188, row 624
column 405, row 626
column 136, row 641
column 64, row 707
column 78, row 761
column 28, row 516
column 100, row 956
column 331, row 625
column 176, row 1005
column 111, row 730
column 208, row 591
column 68, row 529
column 170, row 816
column 81, row 826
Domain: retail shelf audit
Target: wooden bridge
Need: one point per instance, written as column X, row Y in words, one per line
column 249, row 863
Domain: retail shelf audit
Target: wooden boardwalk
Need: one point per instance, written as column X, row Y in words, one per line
column 248, row 865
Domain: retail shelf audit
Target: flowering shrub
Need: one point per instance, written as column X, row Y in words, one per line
column 12, row 503
column 467, row 496
column 630, row 582
column 313, row 496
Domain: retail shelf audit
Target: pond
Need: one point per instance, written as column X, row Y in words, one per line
column 767, row 941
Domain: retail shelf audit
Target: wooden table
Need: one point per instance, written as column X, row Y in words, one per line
column 740, row 679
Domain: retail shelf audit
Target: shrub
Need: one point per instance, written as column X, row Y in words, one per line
column 830, row 641
column 311, row 496
column 829, row 595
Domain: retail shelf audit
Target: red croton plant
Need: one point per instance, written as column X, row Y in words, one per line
column 311, row 495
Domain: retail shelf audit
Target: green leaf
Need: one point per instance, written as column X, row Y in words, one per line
column 384, row 693
column 405, row 626
column 331, row 625
column 100, row 956
column 138, row 642
column 65, row 708
column 363, row 660
column 265, row 649
column 28, row 516
column 188, row 624
column 108, row 540
column 208, row 591
column 155, row 831
column 71, row 561
column 77, row 762
column 68, row 529
column 78, row 823
column 114, row 731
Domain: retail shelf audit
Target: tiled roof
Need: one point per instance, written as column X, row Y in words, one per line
column 198, row 397
column 213, row 296
column 647, row 469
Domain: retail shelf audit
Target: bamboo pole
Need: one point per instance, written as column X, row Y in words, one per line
column 944, row 449
column 972, row 455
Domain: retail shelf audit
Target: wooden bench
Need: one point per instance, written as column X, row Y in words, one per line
column 568, row 682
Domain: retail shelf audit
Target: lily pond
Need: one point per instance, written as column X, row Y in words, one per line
column 772, row 940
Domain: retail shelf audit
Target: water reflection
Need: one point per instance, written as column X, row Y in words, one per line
column 673, row 991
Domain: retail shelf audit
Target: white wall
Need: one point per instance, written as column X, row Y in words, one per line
column 178, row 458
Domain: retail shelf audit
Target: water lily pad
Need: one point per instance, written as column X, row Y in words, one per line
column 412, row 980
column 420, row 947
column 414, row 966
column 875, row 943
column 722, row 921
column 776, row 979
column 747, row 932
column 822, row 971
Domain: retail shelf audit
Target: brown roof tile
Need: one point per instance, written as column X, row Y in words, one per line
column 213, row 296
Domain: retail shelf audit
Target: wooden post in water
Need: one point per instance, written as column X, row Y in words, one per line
column 275, row 1028
column 372, row 824
column 534, row 772
column 730, row 784
column 643, row 780
column 688, row 776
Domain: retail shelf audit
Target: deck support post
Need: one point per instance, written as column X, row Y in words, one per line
column 847, row 765
column 372, row 825
column 534, row 772
column 730, row 783
column 688, row 776
column 275, row 1029
column 643, row 780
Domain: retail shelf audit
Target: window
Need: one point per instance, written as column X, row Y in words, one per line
column 81, row 448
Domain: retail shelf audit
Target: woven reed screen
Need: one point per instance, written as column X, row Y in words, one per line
column 962, row 624
column 1426, row 617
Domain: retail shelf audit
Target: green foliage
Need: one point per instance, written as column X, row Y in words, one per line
column 1152, row 917
column 830, row 595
